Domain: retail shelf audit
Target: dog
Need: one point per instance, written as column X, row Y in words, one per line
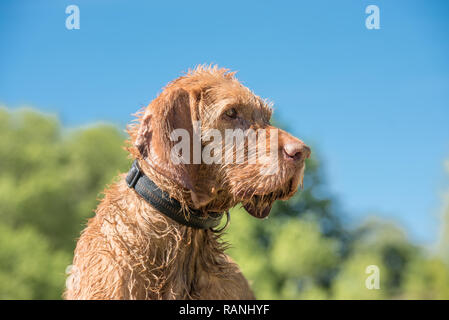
column 155, row 233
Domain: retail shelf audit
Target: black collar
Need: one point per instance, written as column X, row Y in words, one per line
column 161, row 201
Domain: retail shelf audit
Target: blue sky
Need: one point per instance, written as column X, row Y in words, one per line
column 374, row 104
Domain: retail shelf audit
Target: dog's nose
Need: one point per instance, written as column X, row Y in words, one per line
column 297, row 150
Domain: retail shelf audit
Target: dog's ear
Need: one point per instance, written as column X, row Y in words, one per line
column 173, row 109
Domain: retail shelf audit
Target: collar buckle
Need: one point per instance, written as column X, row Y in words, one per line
column 228, row 219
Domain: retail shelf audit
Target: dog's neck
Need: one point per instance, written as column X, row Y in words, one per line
column 172, row 208
column 166, row 184
column 165, row 246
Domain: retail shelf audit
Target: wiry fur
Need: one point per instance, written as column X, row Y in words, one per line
column 129, row 250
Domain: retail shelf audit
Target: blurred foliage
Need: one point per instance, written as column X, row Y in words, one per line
column 51, row 179
column 29, row 267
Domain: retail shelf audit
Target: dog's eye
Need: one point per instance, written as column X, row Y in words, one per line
column 231, row 113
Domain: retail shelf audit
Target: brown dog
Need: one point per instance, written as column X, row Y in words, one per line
column 131, row 250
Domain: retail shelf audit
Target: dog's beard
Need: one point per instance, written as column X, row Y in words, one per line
column 259, row 204
column 258, row 185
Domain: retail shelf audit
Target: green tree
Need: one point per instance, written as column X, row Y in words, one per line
column 29, row 267
column 51, row 178
column 289, row 263
column 427, row 278
column 428, row 275
column 379, row 243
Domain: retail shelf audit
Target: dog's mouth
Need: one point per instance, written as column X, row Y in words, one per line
column 259, row 205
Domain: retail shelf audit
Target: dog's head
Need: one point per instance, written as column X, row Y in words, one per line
column 212, row 137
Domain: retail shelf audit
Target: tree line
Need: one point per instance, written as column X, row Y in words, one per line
column 51, row 179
